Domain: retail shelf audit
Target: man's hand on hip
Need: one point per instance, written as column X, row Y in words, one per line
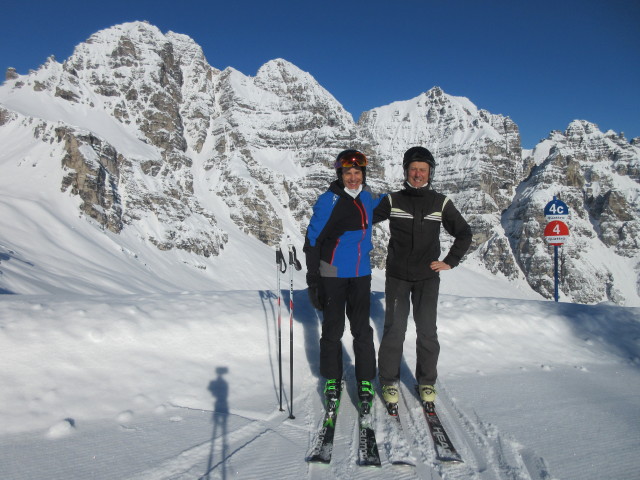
column 438, row 266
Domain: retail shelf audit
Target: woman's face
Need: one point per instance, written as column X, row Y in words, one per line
column 352, row 177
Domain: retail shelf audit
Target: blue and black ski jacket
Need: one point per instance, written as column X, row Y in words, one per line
column 338, row 239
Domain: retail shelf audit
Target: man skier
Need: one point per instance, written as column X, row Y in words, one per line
column 415, row 214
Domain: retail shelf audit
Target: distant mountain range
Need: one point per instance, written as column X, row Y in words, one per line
column 149, row 139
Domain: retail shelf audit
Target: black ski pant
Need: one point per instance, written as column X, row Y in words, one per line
column 354, row 296
column 423, row 296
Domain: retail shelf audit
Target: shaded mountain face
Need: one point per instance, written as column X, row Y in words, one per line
column 149, row 137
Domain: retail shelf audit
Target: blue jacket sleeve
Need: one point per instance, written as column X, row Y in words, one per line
column 315, row 233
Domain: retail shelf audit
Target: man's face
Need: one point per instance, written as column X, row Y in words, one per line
column 351, row 177
column 418, row 174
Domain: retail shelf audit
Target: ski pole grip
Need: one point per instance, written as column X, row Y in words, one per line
column 280, row 261
column 293, row 258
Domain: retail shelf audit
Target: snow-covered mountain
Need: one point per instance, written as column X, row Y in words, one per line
column 165, row 155
column 597, row 176
column 478, row 154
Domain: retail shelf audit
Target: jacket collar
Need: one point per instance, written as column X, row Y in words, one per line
column 337, row 187
column 417, row 192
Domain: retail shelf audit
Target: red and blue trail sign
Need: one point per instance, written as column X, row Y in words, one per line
column 556, row 233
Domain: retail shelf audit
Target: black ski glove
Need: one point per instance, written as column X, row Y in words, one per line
column 314, row 296
column 313, row 282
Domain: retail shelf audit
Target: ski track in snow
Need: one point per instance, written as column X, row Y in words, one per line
column 487, row 454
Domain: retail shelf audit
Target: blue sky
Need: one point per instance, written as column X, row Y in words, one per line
column 541, row 63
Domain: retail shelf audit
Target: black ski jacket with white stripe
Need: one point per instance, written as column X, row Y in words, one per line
column 415, row 216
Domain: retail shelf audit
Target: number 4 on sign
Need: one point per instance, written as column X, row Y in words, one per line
column 556, row 232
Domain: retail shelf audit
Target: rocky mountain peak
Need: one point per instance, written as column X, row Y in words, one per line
column 153, row 140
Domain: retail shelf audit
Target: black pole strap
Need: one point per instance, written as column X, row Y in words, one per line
column 280, row 261
column 293, row 258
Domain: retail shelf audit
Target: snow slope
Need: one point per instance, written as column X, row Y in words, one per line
column 184, row 385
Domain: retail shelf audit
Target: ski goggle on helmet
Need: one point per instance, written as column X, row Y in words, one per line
column 351, row 158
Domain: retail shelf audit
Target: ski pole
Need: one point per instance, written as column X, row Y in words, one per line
column 281, row 267
column 293, row 263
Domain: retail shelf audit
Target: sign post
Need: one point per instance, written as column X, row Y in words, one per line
column 556, row 232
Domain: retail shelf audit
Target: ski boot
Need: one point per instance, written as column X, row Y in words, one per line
column 365, row 396
column 332, row 390
column 390, row 397
column 427, row 393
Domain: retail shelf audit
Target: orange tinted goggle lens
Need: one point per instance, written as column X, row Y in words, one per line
column 354, row 159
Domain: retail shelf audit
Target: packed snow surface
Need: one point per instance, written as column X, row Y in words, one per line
column 185, row 384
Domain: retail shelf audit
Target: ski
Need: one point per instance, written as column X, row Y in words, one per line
column 323, row 447
column 445, row 451
column 368, row 454
column 395, row 444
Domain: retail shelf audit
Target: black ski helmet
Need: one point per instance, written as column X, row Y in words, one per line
column 355, row 158
column 419, row 154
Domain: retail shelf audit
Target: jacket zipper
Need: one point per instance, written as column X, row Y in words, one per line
column 333, row 254
column 363, row 224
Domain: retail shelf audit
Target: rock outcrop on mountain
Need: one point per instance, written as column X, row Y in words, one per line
column 128, row 75
column 151, row 138
column 271, row 146
column 596, row 175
